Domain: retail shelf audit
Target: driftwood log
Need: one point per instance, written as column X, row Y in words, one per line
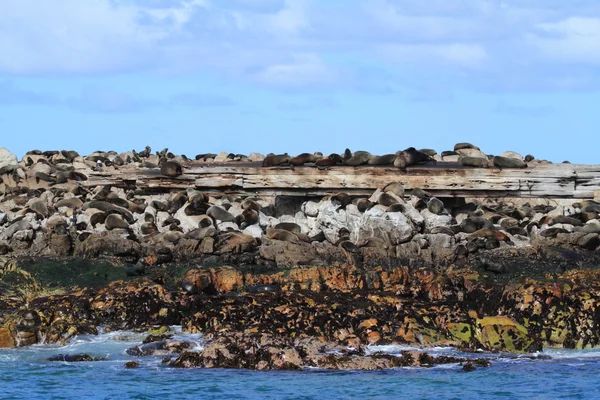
column 443, row 180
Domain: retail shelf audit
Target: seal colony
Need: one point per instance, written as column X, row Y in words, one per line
column 295, row 258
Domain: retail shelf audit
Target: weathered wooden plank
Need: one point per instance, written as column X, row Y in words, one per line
column 443, row 179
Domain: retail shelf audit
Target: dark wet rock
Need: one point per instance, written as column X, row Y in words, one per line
column 132, row 364
column 160, row 348
column 75, row 358
column 107, row 244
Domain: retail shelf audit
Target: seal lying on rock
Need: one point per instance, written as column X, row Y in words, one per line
column 411, row 156
column 505, row 162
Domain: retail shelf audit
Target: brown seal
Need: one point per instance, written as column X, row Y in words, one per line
column 289, row 226
column 273, row 160
column 358, row 158
column 505, row 162
column 411, row 156
column 304, row 158
column 476, row 162
column 170, row 168
column 386, row 159
column 329, row 161
column 465, row 145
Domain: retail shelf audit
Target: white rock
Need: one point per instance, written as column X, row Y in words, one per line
column 512, row 154
column 310, row 208
column 224, row 226
column 394, row 228
column 161, row 216
column 256, row 157
column 375, row 196
column 331, row 219
column 187, row 222
column 451, row 158
column 433, row 220
column 7, row 158
column 287, row 218
column 23, row 235
column 221, row 157
column 414, row 215
column 254, row 230
column 266, row 221
column 471, row 153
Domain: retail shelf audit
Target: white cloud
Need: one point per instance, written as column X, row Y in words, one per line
column 302, row 70
column 84, row 36
column 307, row 43
column 575, row 39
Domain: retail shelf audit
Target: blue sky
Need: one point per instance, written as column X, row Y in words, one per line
column 240, row 76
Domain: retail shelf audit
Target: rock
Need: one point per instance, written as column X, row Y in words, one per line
column 132, row 364
column 436, row 206
column 6, row 339
column 255, row 157
column 254, row 230
column 310, row 208
column 75, row 358
column 512, row 154
column 7, row 158
column 107, row 244
column 474, row 153
column 394, row 228
column 435, row 220
column 501, row 332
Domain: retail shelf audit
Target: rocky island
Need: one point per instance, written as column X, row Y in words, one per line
column 290, row 262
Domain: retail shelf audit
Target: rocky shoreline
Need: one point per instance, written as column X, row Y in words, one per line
column 292, row 282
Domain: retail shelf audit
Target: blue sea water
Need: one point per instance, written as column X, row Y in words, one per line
column 25, row 375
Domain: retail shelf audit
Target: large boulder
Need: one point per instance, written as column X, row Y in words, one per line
column 107, row 244
column 7, row 158
column 393, row 227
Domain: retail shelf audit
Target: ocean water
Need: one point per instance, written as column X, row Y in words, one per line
column 25, row 375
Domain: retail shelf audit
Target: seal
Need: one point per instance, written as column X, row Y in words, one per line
column 386, row 159
column 341, row 197
column 395, row 187
column 420, row 193
column 397, row 207
column 170, row 168
column 115, row 221
column 282, row 234
column 363, row 204
column 329, row 161
column 219, row 214
column 273, row 160
column 349, row 246
column 289, row 226
column 472, row 224
column 73, row 202
column 505, row 162
column 411, row 156
column 465, row 145
column 251, row 204
column 148, row 228
column 358, row 158
column 435, row 206
column 248, row 217
column 476, row 162
column 201, row 233
column 429, row 152
column 304, row 158
column 387, row 199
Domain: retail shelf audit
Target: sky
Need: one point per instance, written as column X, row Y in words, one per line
column 242, row 76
